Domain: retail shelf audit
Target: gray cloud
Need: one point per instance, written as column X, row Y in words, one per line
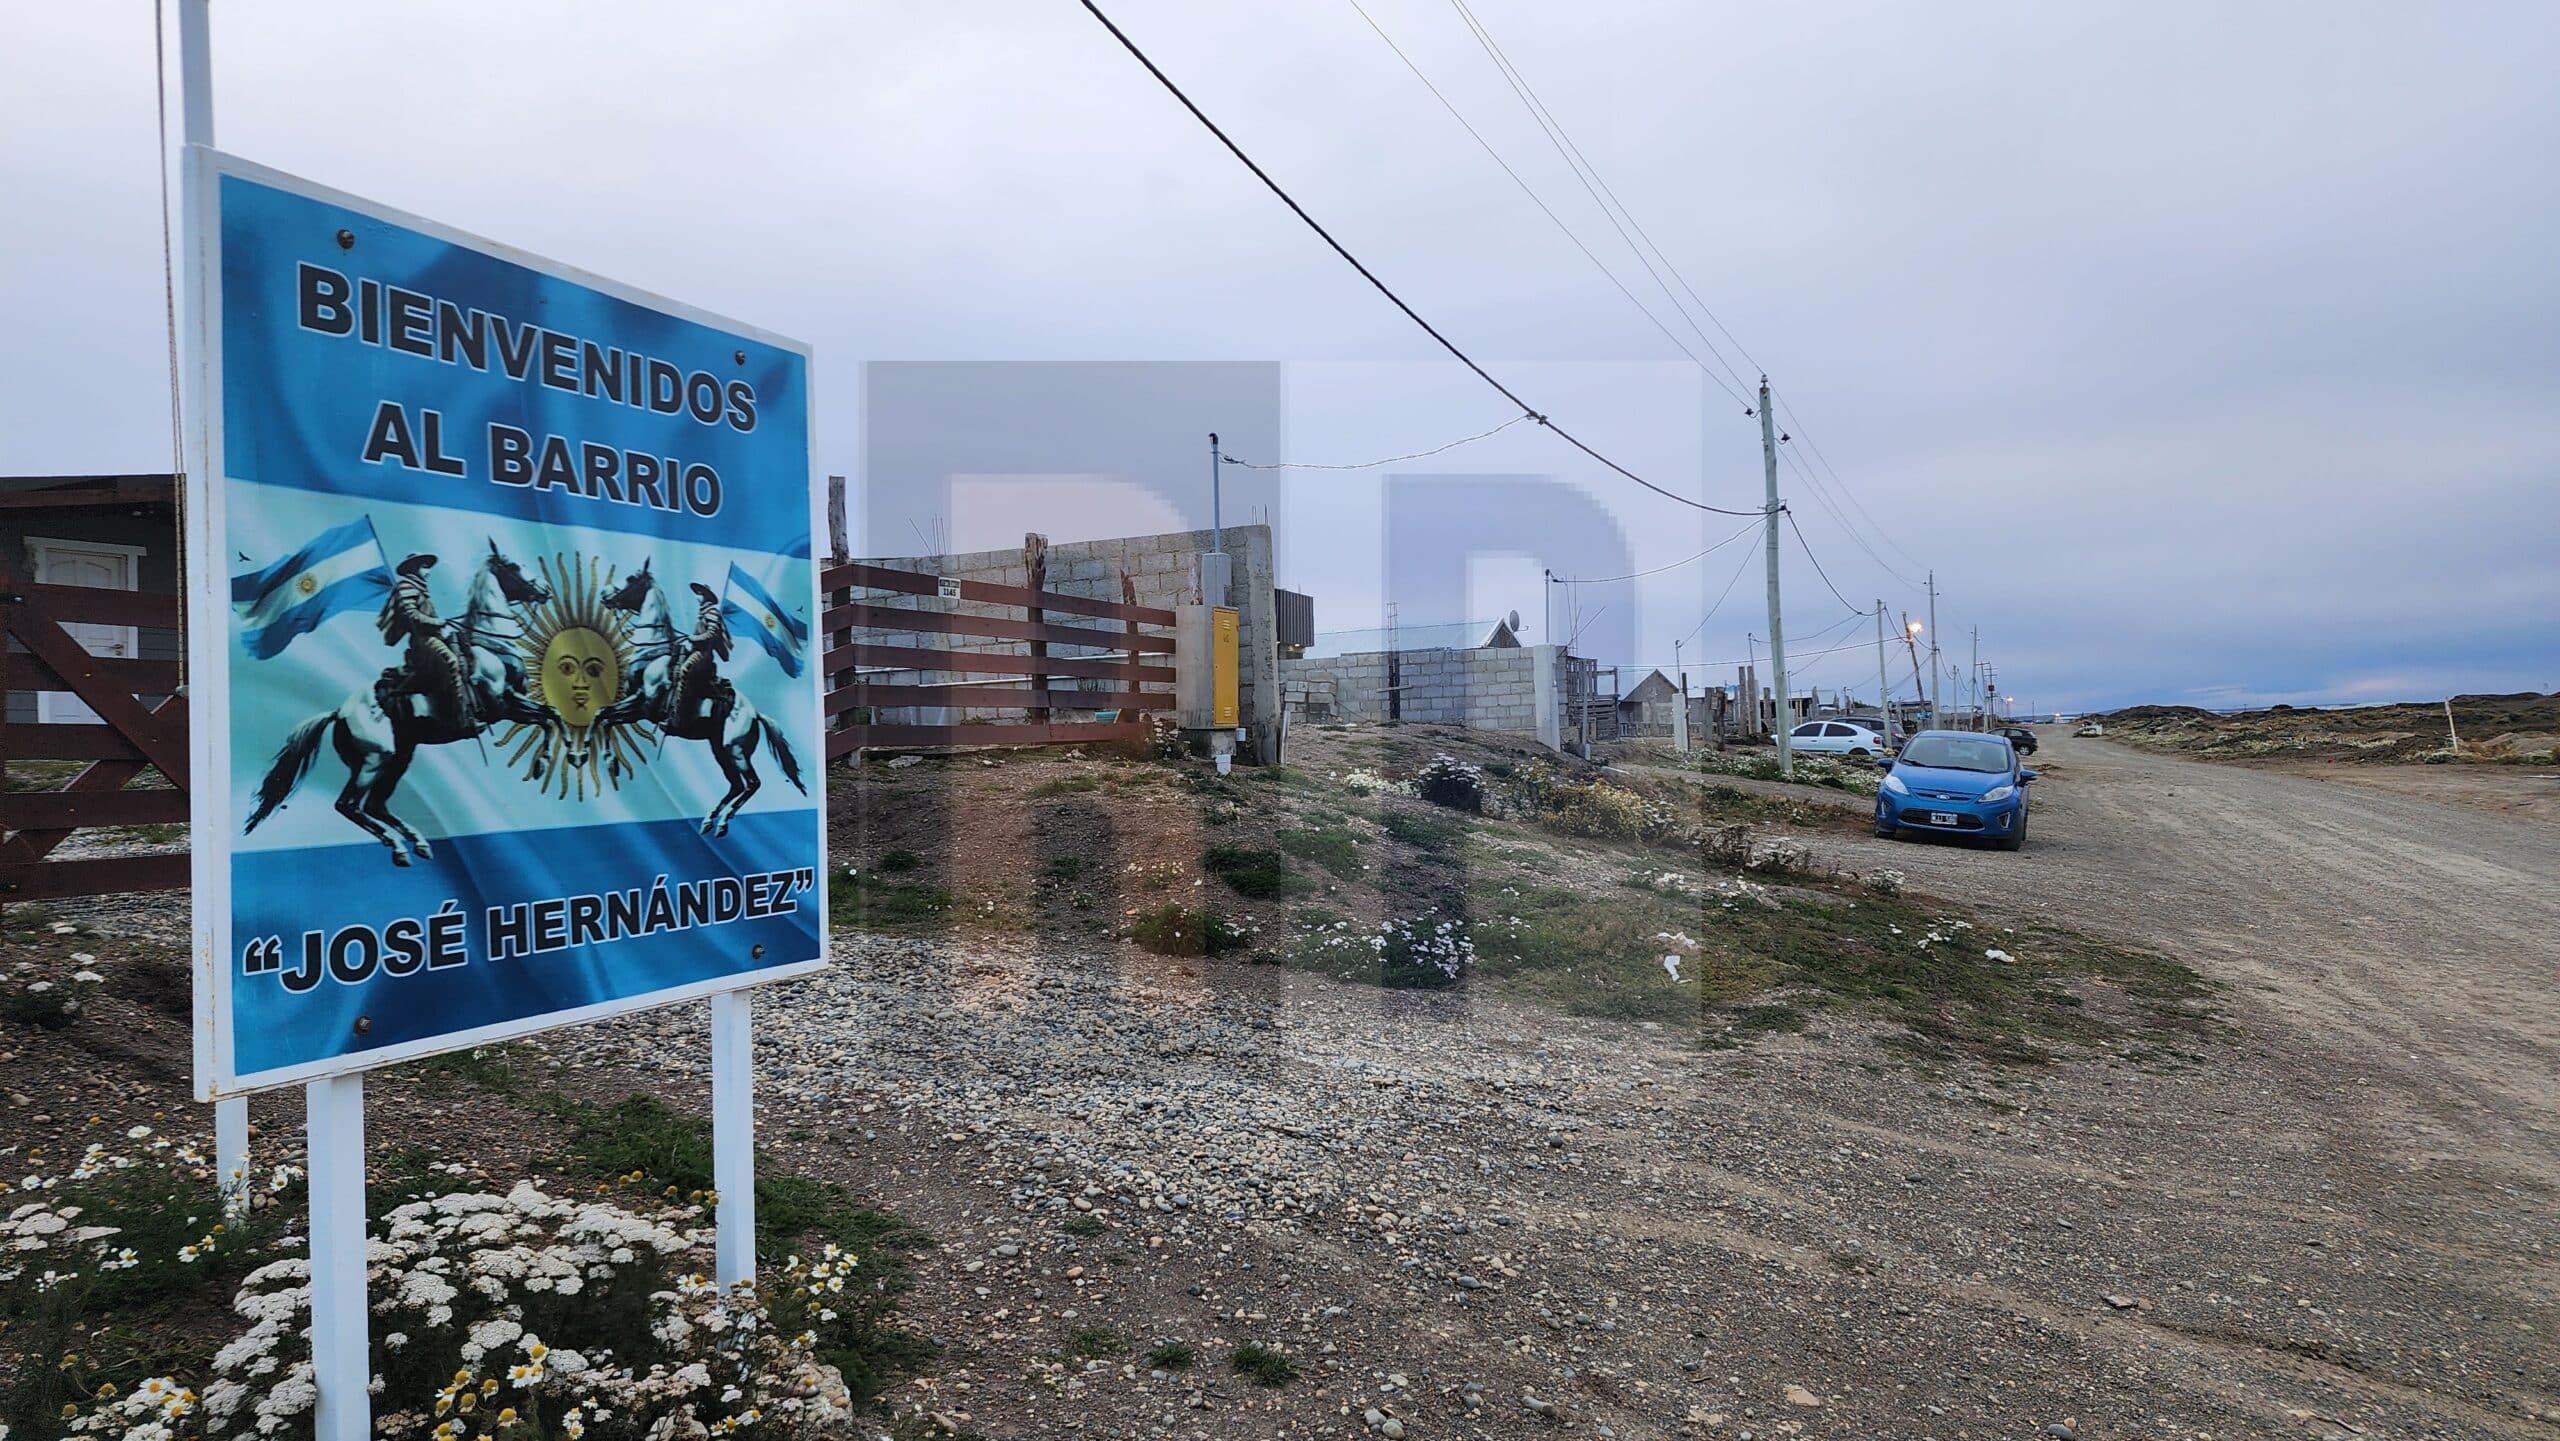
column 2204, row 349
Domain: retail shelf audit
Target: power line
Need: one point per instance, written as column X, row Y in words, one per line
column 1588, row 174
column 1373, row 464
column 1379, row 285
column 1796, row 423
column 1817, row 564
column 1540, row 201
column 1581, row 163
column 1659, row 569
column 1720, row 597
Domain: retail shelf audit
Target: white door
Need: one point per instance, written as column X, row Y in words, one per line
column 107, row 567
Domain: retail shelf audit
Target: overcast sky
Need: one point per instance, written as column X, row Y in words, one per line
column 2208, row 352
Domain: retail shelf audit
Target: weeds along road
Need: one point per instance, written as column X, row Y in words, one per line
column 2409, row 943
column 1485, row 1219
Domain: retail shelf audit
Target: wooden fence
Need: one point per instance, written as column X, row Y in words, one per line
column 1124, row 674
column 859, row 663
column 134, row 737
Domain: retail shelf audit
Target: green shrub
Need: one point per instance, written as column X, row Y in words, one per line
column 1262, row 1365
column 1094, row 1343
column 1448, row 781
column 1171, row 1356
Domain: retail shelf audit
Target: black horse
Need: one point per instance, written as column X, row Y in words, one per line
column 675, row 685
column 378, row 741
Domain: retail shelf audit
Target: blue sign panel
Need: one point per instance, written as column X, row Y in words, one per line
column 505, row 710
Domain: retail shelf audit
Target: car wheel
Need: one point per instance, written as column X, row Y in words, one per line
column 2015, row 840
column 1857, row 753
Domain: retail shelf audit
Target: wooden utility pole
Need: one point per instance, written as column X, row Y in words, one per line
column 1884, row 688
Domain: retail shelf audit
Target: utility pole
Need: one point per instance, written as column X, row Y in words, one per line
column 1777, row 628
column 1547, row 609
column 1978, row 723
column 1911, row 643
column 1884, row 688
column 1217, row 512
column 1934, row 721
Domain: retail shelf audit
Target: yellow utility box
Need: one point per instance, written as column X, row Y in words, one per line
column 1223, row 630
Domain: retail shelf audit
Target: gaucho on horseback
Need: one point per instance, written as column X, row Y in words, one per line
column 700, row 689
column 433, row 670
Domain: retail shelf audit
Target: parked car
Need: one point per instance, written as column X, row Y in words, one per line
column 2022, row 738
column 1838, row 738
column 2091, row 729
column 1956, row 783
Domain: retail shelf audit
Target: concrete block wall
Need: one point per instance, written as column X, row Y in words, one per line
column 1481, row 689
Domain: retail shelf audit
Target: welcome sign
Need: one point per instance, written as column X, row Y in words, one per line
column 505, row 715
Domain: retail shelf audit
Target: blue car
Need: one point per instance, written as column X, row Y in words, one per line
column 1956, row 783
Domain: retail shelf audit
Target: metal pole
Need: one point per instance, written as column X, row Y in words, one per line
column 341, row 1361
column 1217, row 511
column 1933, row 650
column 1977, row 680
column 195, row 127
column 733, row 1136
column 1777, row 627
column 1547, row 608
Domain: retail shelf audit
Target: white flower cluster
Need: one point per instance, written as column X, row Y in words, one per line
column 464, row 1274
column 1365, row 782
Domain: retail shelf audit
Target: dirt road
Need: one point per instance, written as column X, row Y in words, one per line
column 2337, row 1219
column 2397, row 936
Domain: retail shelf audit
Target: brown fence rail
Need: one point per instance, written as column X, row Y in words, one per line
column 134, row 735
column 860, row 666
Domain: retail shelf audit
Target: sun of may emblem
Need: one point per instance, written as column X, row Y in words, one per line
column 577, row 651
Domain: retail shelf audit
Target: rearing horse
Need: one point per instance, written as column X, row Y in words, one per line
column 674, row 684
column 377, row 744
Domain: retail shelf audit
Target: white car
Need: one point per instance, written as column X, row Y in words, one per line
column 1838, row 738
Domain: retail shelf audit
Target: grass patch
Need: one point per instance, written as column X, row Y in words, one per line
column 1094, row 1343
column 1262, row 1365
column 1258, row 874
column 671, row 1153
column 1173, row 930
column 1084, row 1223
column 1066, row 786
column 1429, row 834
column 1601, row 955
column 869, row 903
column 1933, row 975
column 900, row 861
column 1171, row 1356
column 1332, row 847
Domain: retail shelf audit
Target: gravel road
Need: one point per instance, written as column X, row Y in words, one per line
column 1467, row 1218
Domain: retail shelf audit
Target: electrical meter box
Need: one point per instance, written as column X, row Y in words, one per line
column 1205, row 639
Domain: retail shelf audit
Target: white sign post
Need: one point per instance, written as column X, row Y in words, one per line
column 501, row 695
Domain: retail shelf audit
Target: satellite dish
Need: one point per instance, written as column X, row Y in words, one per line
column 1513, row 620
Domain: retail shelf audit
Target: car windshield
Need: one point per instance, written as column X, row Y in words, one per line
column 1958, row 753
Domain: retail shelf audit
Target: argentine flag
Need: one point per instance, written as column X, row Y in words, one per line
column 753, row 613
column 341, row 569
